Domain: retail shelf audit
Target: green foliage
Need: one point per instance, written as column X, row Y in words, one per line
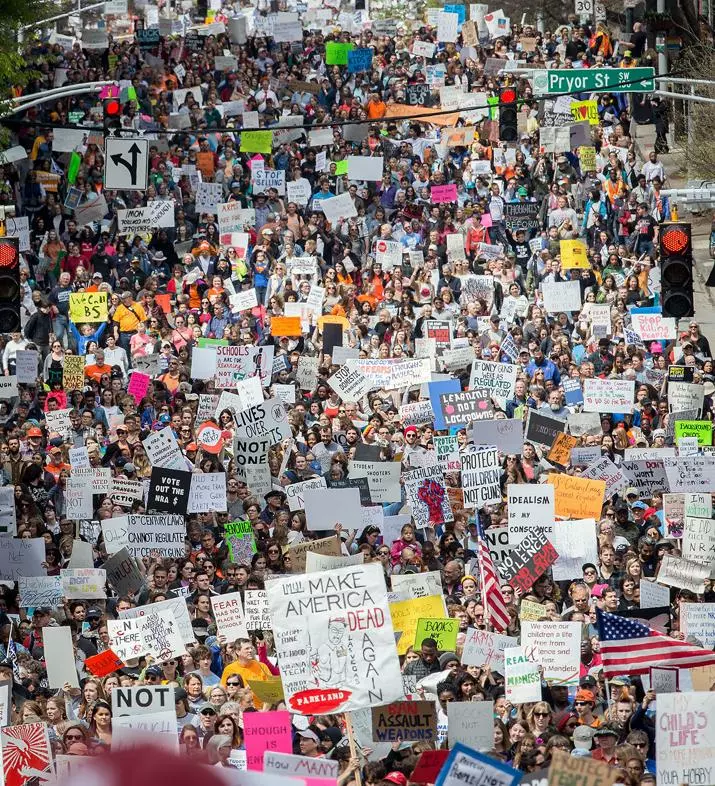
column 14, row 14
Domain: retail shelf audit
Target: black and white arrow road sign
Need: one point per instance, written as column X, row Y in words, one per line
column 126, row 163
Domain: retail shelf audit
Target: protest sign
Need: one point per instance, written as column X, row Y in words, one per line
column 294, row 491
column 427, row 496
column 161, row 635
column 172, row 608
column 690, row 473
column 575, row 543
column 122, row 572
column 561, row 296
column 543, row 429
column 499, row 378
column 702, row 429
column 654, row 327
column 465, row 765
column 417, row 585
column 574, row 496
column 556, row 646
column 73, row 372
column 481, row 477
column 653, row 595
column 255, row 610
column 683, row 396
column 698, row 621
column 566, row 769
column 471, row 723
column 406, row 615
column 143, row 535
column 241, row 541
column 522, row 678
column 88, row 307
column 483, row 648
column 530, row 509
column 531, row 558
column 163, row 450
column 324, row 508
column 444, row 631
column 83, row 583
column 326, row 546
column 59, row 657
column 462, row 409
column 266, row 732
column 608, row 395
column 383, row 479
column 560, row 452
column 682, row 573
column 169, row 490
column 647, row 476
column 103, row 663
column 339, row 621
column 685, row 737
column 21, row 557
column 506, row 433
column 699, row 541
column 26, row 361
column 138, row 711
column 615, row 478
column 26, row 753
column 317, row 769
column 228, row 613
column 40, row 591
column 207, row 492
column 407, row 721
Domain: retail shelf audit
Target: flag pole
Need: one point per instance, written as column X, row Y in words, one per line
column 485, row 601
column 353, row 747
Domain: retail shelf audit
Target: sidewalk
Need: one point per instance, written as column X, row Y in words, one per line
column 676, row 178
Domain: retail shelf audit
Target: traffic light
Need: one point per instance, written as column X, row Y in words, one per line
column 111, row 115
column 676, row 270
column 508, row 131
column 10, row 285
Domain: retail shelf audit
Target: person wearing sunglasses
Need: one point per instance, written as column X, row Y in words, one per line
column 584, row 704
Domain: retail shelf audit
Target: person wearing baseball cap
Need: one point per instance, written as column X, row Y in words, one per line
column 309, row 744
column 584, row 704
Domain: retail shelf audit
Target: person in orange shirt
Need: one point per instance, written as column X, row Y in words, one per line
column 376, row 107
column 99, row 368
column 248, row 667
column 55, row 464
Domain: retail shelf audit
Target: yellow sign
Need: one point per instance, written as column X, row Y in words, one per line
column 73, row 372
column 531, row 612
column 257, row 142
column 585, row 110
column 88, row 307
column 574, row 255
column 577, row 498
column 269, row 691
column 587, row 157
column 407, row 613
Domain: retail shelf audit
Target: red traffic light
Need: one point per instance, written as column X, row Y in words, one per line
column 508, row 95
column 675, row 239
column 112, row 108
column 9, row 253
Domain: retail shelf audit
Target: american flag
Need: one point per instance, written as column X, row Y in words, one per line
column 494, row 604
column 12, row 655
column 630, row 647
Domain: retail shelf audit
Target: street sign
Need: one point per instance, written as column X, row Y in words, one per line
column 126, row 163
column 594, row 80
column 583, row 8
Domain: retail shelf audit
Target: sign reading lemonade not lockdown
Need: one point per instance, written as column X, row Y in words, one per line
column 595, row 80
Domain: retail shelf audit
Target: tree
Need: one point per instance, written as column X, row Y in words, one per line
column 698, row 62
column 14, row 14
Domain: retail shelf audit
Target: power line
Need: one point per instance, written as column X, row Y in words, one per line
column 424, row 117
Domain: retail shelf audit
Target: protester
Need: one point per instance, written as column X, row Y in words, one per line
column 365, row 394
